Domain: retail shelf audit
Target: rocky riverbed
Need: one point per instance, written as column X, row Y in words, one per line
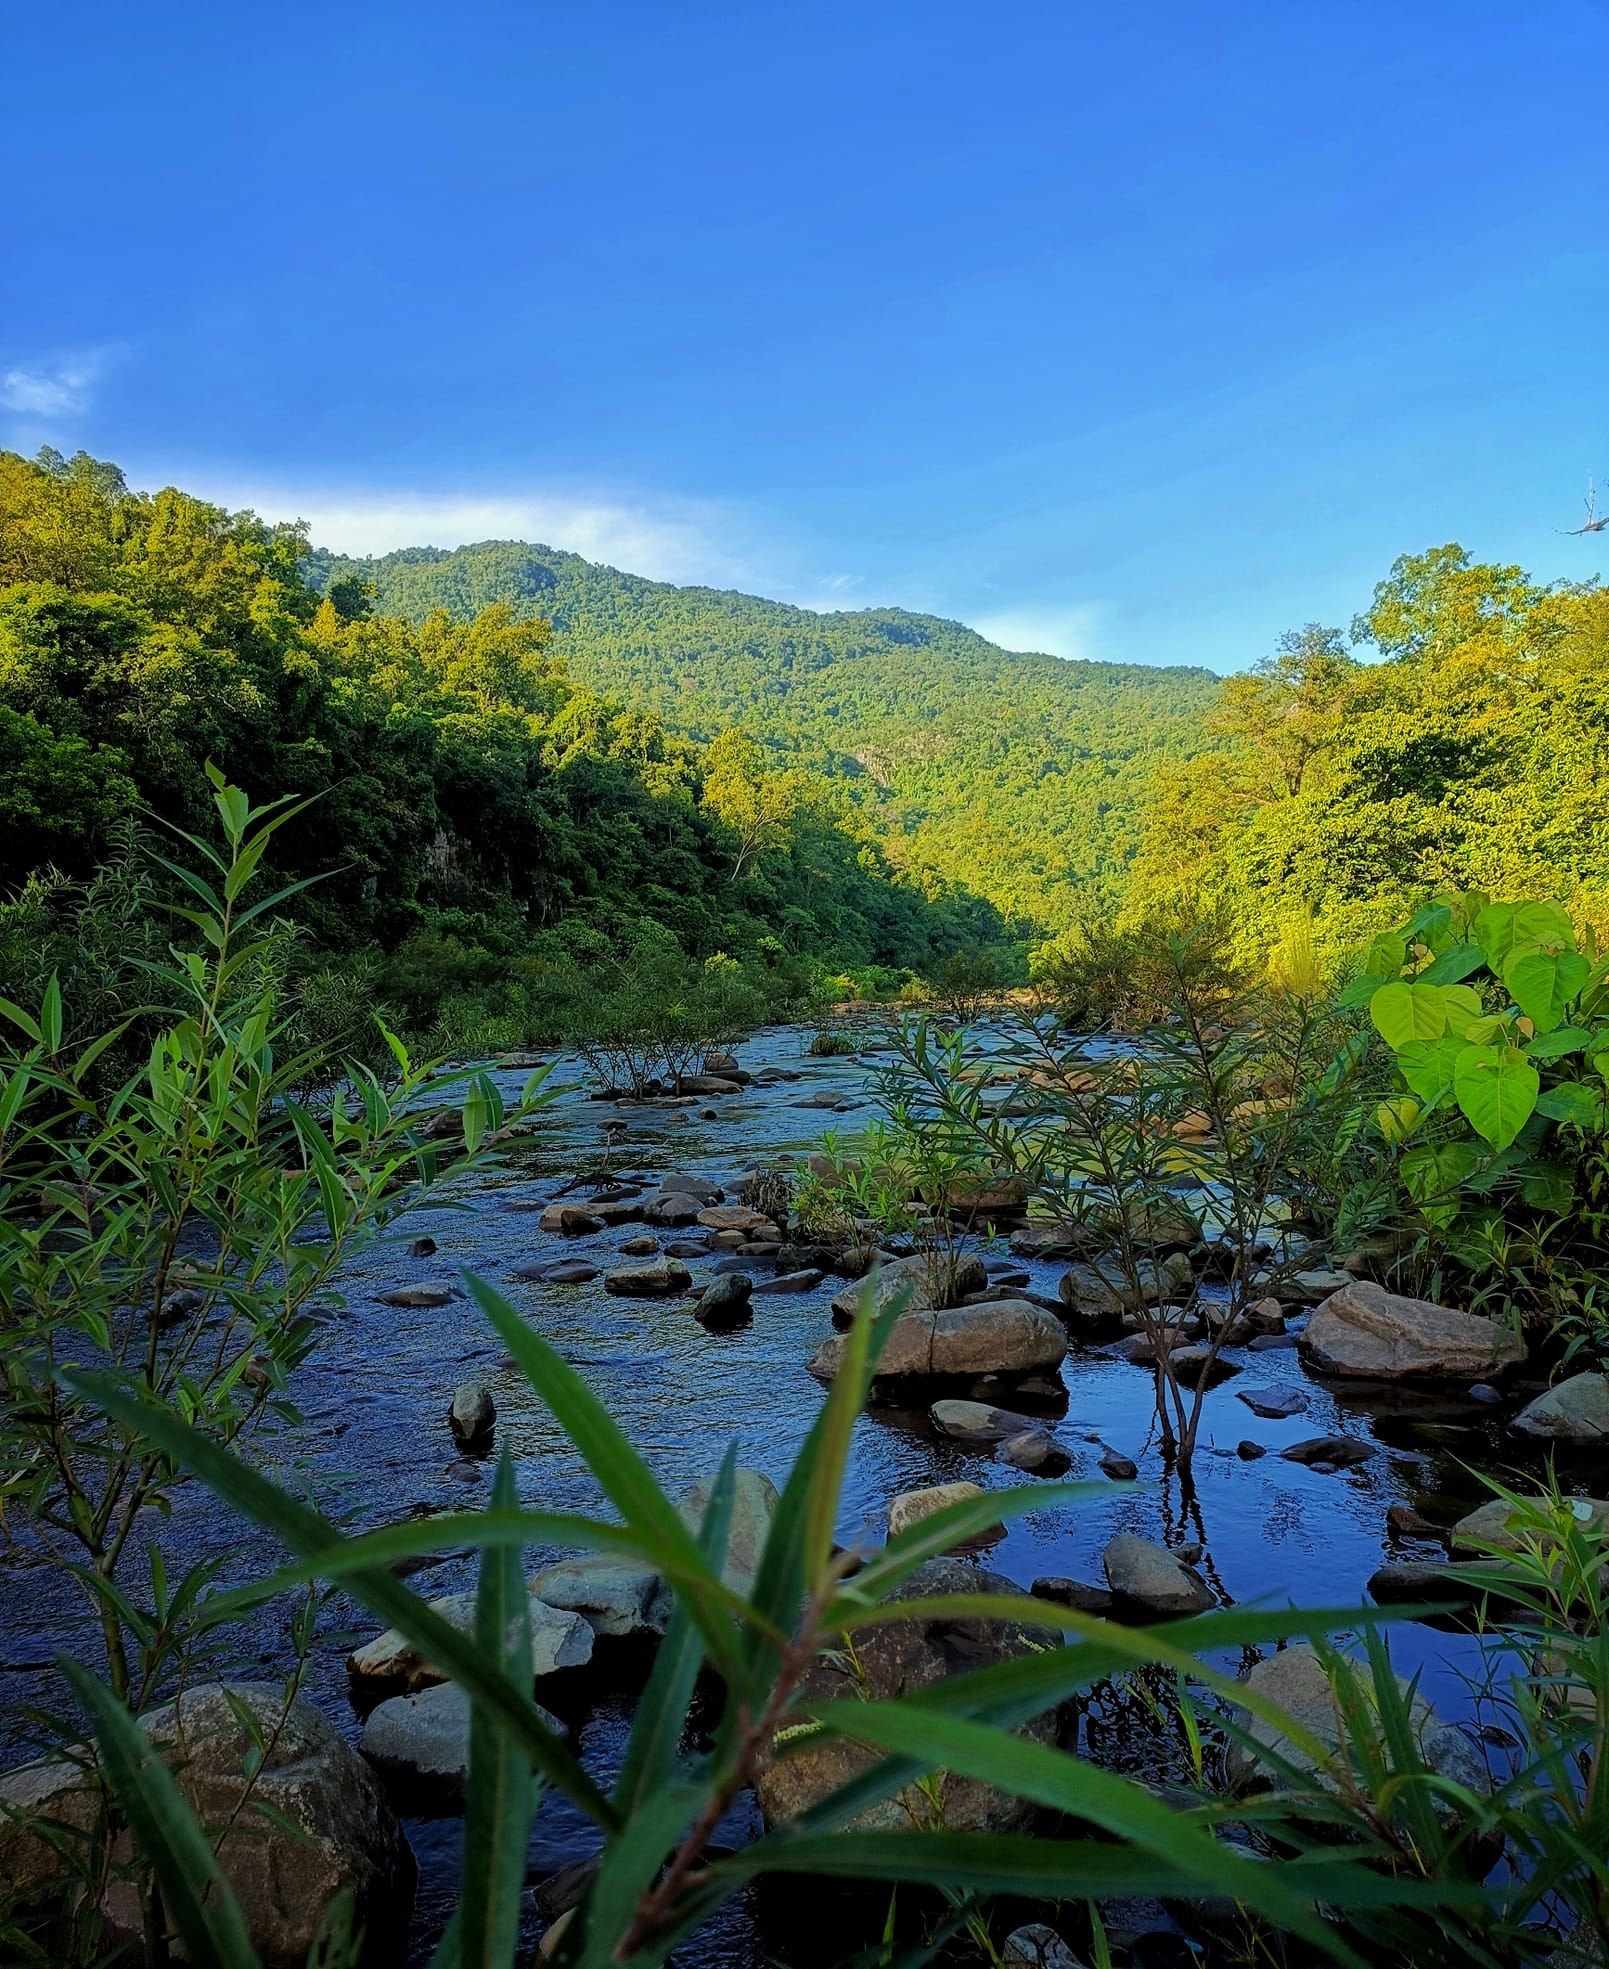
column 1306, row 1484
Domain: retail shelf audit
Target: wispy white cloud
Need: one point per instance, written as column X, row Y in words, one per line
column 675, row 541
column 50, row 392
column 1069, row 632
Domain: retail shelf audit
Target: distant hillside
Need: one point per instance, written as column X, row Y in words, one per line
column 1018, row 775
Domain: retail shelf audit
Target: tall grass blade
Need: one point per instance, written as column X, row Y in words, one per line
column 501, row 1793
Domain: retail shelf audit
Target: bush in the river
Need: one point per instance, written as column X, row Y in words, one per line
column 179, row 1226
column 662, row 1872
column 1223, row 1123
column 1103, row 972
column 1498, row 1025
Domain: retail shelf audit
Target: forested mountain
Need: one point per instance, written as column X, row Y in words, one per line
column 464, row 787
column 1017, row 776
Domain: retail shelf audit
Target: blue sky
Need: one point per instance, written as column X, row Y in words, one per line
column 1132, row 332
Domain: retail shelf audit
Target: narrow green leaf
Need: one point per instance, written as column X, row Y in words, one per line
column 1062, row 1783
column 315, row 1540
column 500, row 1796
column 661, row 1718
column 197, row 1897
column 626, row 1480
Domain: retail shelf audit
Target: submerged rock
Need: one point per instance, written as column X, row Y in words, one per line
column 1273, row 1404
column 1365, row 1331
column 1006, row 1336
column 1576, row 1411
column 802, row 1281
column 977, row 1422
column 1076, row 1594
column 1037, row 1451
column 1335, row 1452
column 899, row 1659
column 419, row 1297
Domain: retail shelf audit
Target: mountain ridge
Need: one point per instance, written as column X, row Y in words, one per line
column 902, row 707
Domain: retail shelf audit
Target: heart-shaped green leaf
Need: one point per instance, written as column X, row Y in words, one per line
column 1403, row 1012
column 1427, row 1066
column 1542, row 983
column 1496, row 1087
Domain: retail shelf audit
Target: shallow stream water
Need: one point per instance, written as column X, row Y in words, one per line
column 375, row 1392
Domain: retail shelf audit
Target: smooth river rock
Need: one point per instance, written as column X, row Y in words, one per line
column 1365, row 1331
column 1498, row 1526
column 560, row 1638
column 726, row 1303
column 472, row 1417
column 1576, row 1411
column 1146, row 1575
column 930, row 1281
column 656, row 1281
column 420, row 1746
column 1007, row 1336
column 912, row 1506
column 978, row 1422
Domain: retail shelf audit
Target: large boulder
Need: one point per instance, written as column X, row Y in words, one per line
column 420, row 1746
column 1100, row 1291
column 1146, row 1577
column 324, row 1828
column 1499, row 1526
column 1295, row 1680
column 559, row 1639
column 1576, row 1411
column 893, row 1660
column 932, row 1279
column 1005, row 1336
column 1363, row 1330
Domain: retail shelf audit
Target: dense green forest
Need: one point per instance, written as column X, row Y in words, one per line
column 471, row 801
column 1020, row 777
column 1471, row 753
